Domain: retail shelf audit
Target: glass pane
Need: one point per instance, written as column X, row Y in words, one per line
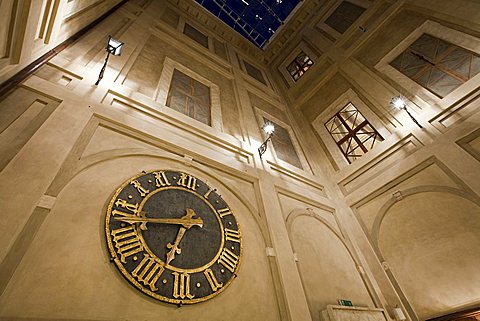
column 426, row 46
column 344, row 16
column 437, row 65
column 293, row 68
column 412, row 64
column 254, row 72
column 299, row 65
column 458, row 61
column 181, row 81
column 202, row 113
column 352, row 132
column 442, row 83
column 301, row 58
column 196, row 35
column 424, row 77
column 178, row 101
column 190, row 97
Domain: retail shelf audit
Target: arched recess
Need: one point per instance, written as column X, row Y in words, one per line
column 327, row 265
column 429, row 239
column 70, row 169
column 68, row 262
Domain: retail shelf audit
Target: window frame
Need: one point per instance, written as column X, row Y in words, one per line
column 212, row 39
column 435, row 64
column 189, row 95
column 350, row 96
column 300, row 67
column 181, row 27
column 437, row 30
column 334, row 33
column 264, row 75
column 163, row 88
column 194, row 29
column 302, row 46
column 352, row 132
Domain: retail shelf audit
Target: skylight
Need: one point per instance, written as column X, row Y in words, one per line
column 256, row 20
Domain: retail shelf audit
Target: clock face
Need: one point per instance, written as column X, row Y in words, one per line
column 173, row 237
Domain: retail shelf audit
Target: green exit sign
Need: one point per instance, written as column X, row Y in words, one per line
column 346, row 303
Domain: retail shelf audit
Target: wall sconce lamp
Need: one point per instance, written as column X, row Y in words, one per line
column 114, row 47
column 269, row 129
column 399, row 102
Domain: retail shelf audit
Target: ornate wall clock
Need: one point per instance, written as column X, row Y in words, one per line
column 173, row 237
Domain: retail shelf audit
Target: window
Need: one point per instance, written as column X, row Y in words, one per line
column 219, row 49
column 344, row 16
column 190, row 97
column 437, row 65
column 196, row 35
column 299, row 66
column 283, row 145
column 254, row 72
column 352, row 132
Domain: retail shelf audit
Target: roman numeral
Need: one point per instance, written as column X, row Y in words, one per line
column 130, row 207
column 224, row 212
column 212, row 280
column 232, row 235
column 207, row 194
column 181, row 286
column 127, row 242
column 139, row 188
column 120, row 213
column 148, row 271
column 228, row 259
column 187, row 181
column 161, row 179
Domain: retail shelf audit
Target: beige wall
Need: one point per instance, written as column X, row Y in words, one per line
column 32, row 28
column 406, row 235
column 398, row 227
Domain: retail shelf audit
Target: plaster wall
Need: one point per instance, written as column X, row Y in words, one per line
column 330, row 231
column 354, row 66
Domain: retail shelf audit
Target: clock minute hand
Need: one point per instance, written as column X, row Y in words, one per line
column 185, row 221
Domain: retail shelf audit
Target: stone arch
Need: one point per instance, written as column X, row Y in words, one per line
column 401, row 195
column 427, row 240
column 92, row 259
column 69, row 172
column 337, row 271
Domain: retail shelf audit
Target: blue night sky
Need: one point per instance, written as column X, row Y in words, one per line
column 256, row 20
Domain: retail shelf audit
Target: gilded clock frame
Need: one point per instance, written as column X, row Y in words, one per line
column 114, row 256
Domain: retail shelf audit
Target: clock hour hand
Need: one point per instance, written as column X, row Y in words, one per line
column 186, row 221
column 174, row 248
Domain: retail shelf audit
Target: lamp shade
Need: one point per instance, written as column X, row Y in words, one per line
column 114, row 46
column 398, row 102
column 268, row 128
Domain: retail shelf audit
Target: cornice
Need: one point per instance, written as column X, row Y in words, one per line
column 202, row 16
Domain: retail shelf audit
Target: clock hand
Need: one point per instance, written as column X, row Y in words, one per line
column 186, row 221
column 174, row 249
